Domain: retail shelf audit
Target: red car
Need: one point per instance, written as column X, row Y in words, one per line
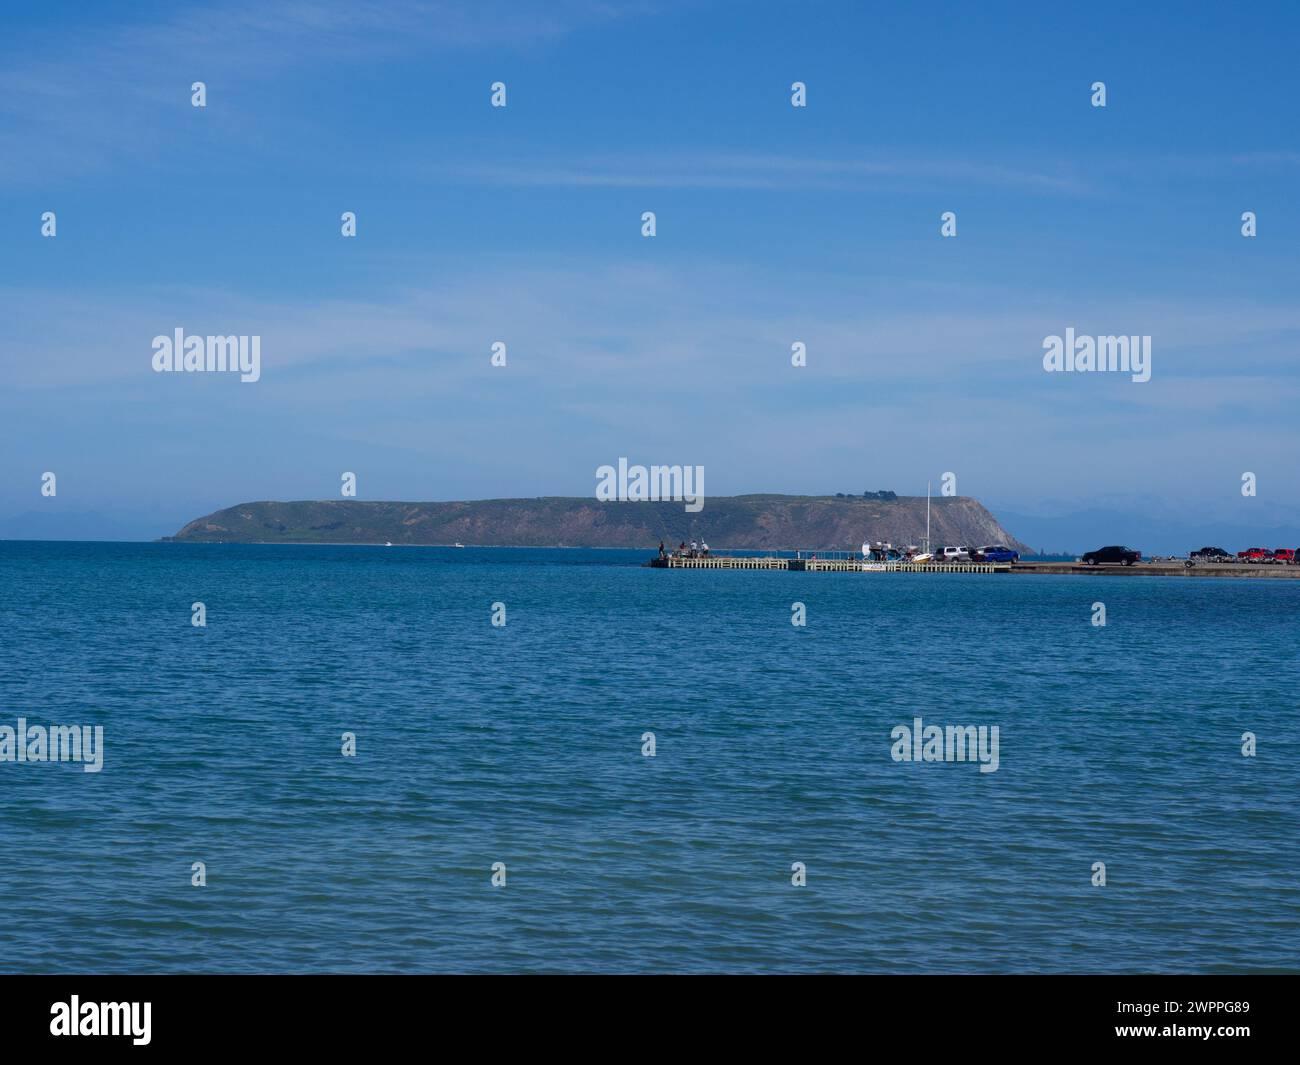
column 1284, row 554
column 1255, row 554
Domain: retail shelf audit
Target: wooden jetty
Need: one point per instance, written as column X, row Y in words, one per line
column 824, row 565
column 1176, row 568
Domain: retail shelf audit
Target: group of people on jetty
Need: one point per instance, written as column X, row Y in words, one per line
column 698, row 549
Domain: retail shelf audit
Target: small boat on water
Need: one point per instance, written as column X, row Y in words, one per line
column 457, row 545
column 880, row 551
column 875, row 553
column 388, row 543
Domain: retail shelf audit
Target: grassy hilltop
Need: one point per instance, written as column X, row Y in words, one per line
column 774, row 522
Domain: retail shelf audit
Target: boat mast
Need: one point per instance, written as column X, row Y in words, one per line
column 927, row 517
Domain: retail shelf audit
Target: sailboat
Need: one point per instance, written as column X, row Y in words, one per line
column 876, row 554
column 925, row 555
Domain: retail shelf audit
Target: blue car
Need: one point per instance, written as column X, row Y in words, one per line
column 996, row 553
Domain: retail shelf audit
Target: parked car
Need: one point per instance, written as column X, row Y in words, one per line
column 1284, row 554
column 1211, row 554
column 954, row 554
column 1124, row 555
column 996, row 553
column 1253, row 554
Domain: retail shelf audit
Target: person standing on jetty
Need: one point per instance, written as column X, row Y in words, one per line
column 661, row 549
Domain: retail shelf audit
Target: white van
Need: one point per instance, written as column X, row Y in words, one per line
column 954, row 554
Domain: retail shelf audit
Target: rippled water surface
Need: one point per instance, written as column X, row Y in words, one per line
column 523, row 744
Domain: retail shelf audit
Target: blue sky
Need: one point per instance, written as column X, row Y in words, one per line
column 522, row 224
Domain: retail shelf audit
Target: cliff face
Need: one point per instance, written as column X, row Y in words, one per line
column 753, row 522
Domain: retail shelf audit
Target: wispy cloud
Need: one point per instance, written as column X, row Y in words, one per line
column 711, row 321
column 902, row 383
column 105, row 96
column 764, row 171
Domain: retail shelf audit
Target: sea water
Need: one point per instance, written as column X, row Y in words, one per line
column 1119, row 746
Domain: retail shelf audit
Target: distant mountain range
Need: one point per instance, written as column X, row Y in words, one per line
column 772, row 522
